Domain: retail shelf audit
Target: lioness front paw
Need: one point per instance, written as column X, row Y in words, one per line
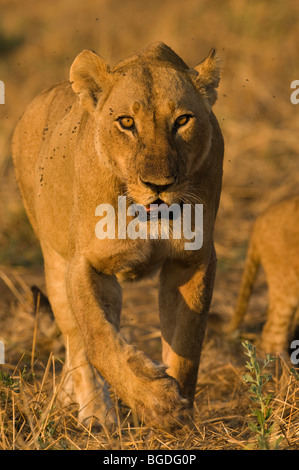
column 155, row 396
column 162, row 406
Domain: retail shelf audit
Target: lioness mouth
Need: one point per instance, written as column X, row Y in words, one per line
column 150, row 207
column 154, row 208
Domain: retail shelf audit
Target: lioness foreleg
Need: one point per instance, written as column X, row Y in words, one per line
column 143, row 385
column 184, row 299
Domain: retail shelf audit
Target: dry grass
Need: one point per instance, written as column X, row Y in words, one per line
column 32, row 418
column 259, row 44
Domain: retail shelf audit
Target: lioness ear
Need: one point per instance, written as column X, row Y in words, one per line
column 159, row 51
column 208, row 76
column 90, row 78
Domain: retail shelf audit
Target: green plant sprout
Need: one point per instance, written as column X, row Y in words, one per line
column 257, row 378
column 295, row 373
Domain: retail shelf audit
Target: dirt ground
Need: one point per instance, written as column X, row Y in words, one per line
column 260, row 127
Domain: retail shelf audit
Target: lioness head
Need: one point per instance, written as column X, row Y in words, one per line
column 152, row 118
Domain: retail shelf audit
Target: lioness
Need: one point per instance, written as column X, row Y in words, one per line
column 144, row 129
column 274, row 244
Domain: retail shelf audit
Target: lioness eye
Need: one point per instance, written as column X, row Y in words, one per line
column 181, row 120
column 127, row 122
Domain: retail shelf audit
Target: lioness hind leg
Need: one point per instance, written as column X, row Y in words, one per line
column 81, row 383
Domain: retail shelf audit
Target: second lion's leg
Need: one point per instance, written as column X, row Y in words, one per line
column 283, row 290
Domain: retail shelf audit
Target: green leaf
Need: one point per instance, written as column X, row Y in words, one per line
column 294, row 373
column 253, row 427
column 268, row 399
column 263, row 443
column 277, row 442
column 260, row 418
column 254, row 389
column 260, row 381
column 247, row 378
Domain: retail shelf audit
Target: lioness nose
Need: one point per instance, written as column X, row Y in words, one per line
column 160, row 185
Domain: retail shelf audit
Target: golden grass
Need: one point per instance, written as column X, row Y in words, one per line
column 31, row 417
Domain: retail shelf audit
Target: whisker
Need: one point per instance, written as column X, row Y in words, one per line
column 195, row 196
column 127, row 194
column 192, row 198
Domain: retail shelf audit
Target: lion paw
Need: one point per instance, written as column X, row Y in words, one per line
column 155, row 395
column 163, row 406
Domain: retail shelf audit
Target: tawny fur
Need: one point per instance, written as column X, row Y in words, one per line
column 274, row 244
column 71, row 155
